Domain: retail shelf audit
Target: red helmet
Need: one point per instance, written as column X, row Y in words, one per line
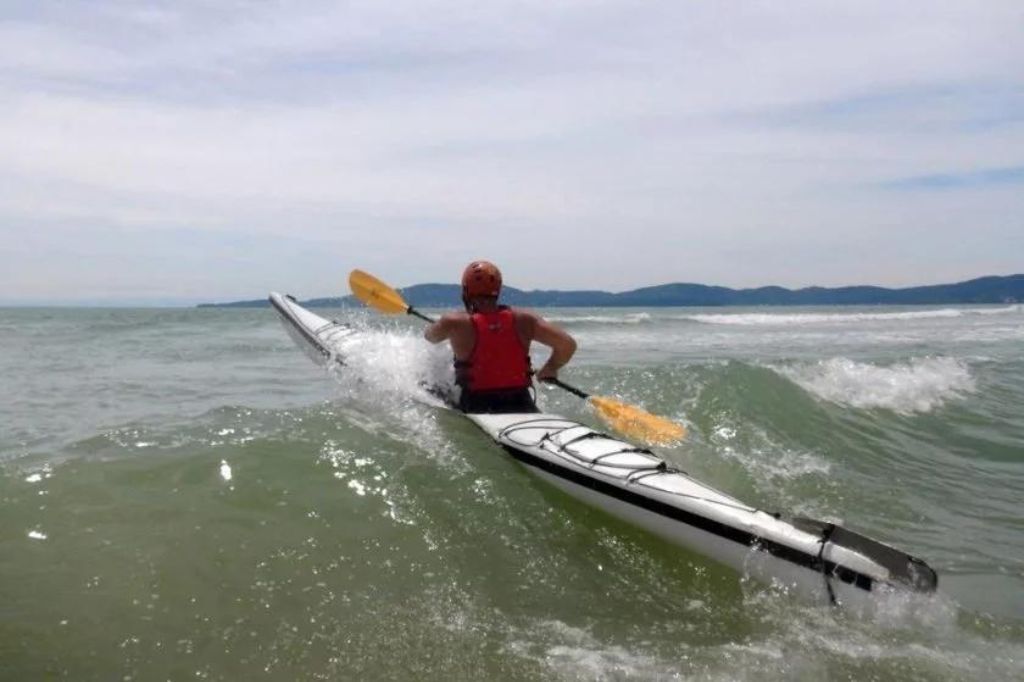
column 481, row 278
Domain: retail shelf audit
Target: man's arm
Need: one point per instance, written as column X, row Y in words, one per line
column 561, row 343
column 441, row 330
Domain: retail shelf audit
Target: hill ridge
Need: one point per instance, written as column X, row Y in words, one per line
column 988, row 289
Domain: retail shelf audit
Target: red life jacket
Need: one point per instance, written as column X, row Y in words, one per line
column 499, row 360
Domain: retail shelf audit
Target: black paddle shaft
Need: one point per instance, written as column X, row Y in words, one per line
column 572, row 389
column 413, row 311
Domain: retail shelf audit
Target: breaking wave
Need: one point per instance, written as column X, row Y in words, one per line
column 918, row 385
column 626, row 319
column 755, row 319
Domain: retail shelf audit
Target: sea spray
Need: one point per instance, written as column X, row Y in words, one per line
column 916, row 385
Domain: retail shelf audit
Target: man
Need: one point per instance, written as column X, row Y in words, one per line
column 491, row 344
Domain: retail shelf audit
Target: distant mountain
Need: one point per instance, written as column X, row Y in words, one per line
column 1009, row 289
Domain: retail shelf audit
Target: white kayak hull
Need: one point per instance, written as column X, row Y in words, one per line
column 817, row 561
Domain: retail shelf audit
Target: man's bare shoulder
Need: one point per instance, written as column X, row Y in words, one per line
column 457, row 323
column 455, row 317
column 526, row 322
column 525, row 314
column 449, row 325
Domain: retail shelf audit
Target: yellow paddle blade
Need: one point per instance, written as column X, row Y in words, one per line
column 376, row 293
column 634, row 422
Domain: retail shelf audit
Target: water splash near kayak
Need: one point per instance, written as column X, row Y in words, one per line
column 386, row 380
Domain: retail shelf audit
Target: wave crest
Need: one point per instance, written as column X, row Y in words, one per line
column 627, row 319
column 918, row 385
column 755, row 319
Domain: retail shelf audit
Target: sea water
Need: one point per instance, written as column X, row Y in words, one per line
column 183, row 495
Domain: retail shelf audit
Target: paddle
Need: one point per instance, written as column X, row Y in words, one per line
column 379, row 295
column 627, row 419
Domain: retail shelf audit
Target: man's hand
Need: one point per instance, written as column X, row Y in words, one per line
column 545, row 373
column 561, row 343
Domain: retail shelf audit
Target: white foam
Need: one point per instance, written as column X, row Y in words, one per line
column 575, row 653
column 773, row 468
column 776, row 319
column 628, row 319
column 390, row 361
column 771, row 465
column 40, row 475
column 918, row 385
column 389, row 370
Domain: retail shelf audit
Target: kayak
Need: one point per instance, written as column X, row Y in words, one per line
column 818, row 561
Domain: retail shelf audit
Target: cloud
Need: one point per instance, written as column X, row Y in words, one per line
column 989, row 177
column 734, row 143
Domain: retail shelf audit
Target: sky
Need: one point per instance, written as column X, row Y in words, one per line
column 214, row 150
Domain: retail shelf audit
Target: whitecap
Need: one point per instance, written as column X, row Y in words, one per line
column 918, row 385
column 623, row 319
column 770, row 319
